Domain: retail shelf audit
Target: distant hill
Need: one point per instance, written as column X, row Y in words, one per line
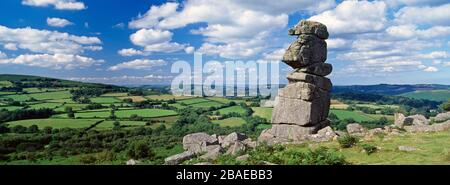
column 38, row 81
column 387, row 89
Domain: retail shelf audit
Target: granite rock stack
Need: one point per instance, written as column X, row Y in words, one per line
column 302, row 106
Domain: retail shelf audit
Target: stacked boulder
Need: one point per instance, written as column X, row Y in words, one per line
column 302, row 106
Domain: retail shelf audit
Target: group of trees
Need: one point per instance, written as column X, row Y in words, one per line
column 21, row 114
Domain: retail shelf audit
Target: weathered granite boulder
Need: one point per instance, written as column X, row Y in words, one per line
column 296, row 111
column 250, row 143
column 242, row 157
column 179, row 158
column 325, row 134
column 230, row 139
column 212, row 152
column 418, row 120
column 320, row 69
column 399, row 120
column 285, row 133
column 441, row 117
column 428, row 128
column 236, row 148
column 319, row 81
column 133, row 162
column 307, row 50
column 355, row 128
column 197, row 142
column 310, row 27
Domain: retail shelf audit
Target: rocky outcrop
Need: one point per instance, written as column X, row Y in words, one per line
column 210, row 147
column 438, row 127
column 302, row 106
column 442, row 117
column 355, row 129
column 198, row 142
column 179, row 158
column 400, row 120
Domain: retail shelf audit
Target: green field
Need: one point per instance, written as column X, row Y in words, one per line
column 17, row 97
column 55, row 123
column 45, row 105
column 236, row 108
column 230, row 122
column 5, row 84
column 114, row 94
column 435, row 95
column 148, row 113
column 166, row 97
column 51, row 95
column 206, row 104
column 194, row 101
column 10, row 108
column 357, row 116
column 263, row 112
column 105, row 100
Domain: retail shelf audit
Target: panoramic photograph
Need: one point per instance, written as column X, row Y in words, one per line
column 229, row 82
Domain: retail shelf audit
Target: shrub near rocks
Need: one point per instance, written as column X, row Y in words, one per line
column 368, row 148
column 279, row 154
column 348, row 141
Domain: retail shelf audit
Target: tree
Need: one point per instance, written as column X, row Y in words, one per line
column 139, row 150
column 33, row 129
column 446, row 106
column 70, row 113
column 116, row 125
column 113, row 114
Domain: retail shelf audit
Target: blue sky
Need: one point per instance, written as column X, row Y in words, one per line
column 136, row 41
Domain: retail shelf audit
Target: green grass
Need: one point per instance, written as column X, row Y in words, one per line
column 17, row 97
column 432, row 148
column 194, row 101
column 55, row 123
column 236, row 108
column 357, row 116
column 148, row 113
column 10, row 108
column 114, row 94
column 61, row 101
column 230, row 122
column 263, row 112
column 206, row 104
column 166, row 97
column 375, row 106
column 105, row 100
column 51, row 95
column 264, row 126
column 5, row 84
column 6, row 93
column 45, row 105
column 435, row 95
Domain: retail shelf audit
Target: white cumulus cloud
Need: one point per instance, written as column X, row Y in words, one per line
column 138, row 64
column 53, row 61
column 58, row 4
column 58, row 22
column 354, row 17
column 44, row 41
